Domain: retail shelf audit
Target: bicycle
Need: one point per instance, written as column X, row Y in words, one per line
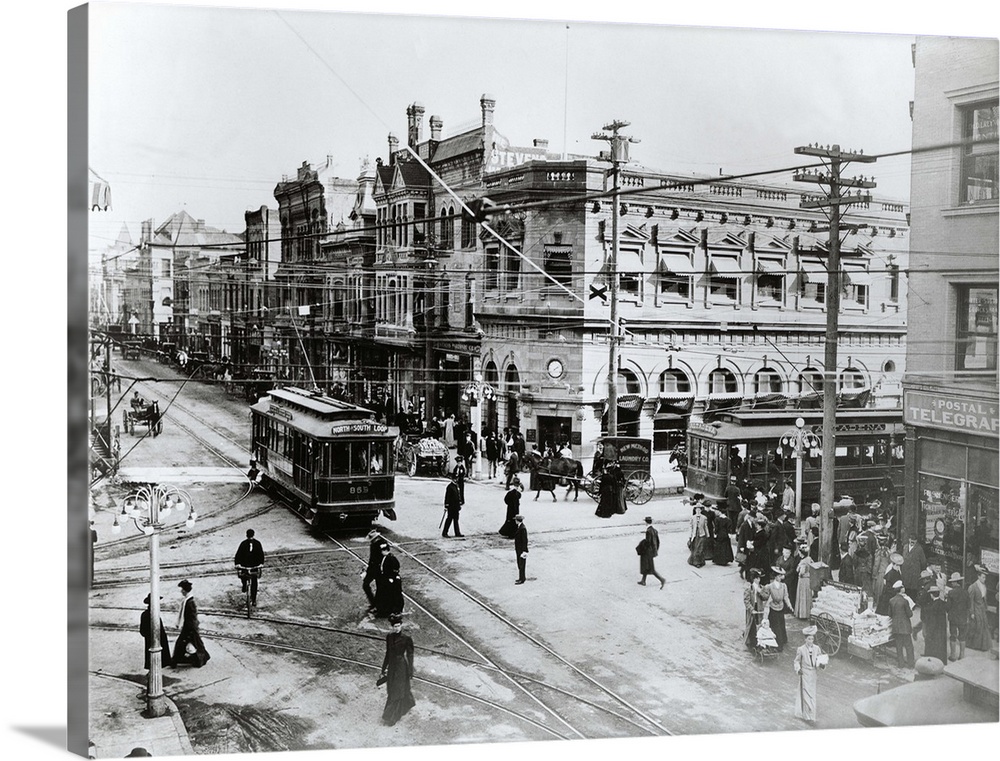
column 248, row 576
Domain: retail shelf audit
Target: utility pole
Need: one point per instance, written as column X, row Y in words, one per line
column 618, row 156
column 837, row 201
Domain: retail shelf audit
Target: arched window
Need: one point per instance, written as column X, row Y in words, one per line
column 810, row 381
column 627, row 382
column 851, row 379
column 674, row 382
column 722, row 381
column 766, row 381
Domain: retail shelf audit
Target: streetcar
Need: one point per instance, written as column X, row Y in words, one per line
column 747, row 445
column 332, row 462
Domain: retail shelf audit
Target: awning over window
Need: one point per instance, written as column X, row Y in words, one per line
column 769, row 401
column 673, row 405
column 718, row 402
column 628, row 262
column 809, row 400
column 854, row 399
column 726, row 265
column 679, row 264
column 770, row 267
column 858, row 276
column 630, row 402
column 813, row 272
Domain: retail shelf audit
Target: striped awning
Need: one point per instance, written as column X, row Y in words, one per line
column 630, row 402
column 813, row 272
column 726, row 265
column 679, row 264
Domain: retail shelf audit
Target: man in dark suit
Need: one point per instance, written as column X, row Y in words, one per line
column 520, row 547
column 900, row 609
column 734, row 500
column 250, row 555
column 375, row 542
column 452, row 506
column 146, row 630
column 848, row 564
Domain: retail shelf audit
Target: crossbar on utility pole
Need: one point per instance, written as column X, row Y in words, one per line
column 619, row 156
column 838, row 202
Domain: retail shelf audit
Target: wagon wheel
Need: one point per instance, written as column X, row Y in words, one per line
column 592, row 485
column 827, row 634
column 443, row 469
column 411, row 463
column 639, row 487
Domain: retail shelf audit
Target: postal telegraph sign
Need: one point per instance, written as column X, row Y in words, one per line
column 951, row 413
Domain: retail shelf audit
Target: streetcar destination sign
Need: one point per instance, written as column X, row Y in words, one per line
column 951, row 413
column 359, row 427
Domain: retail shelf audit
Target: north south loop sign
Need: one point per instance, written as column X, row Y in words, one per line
column 951, row 413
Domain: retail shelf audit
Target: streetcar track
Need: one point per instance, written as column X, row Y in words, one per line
column 362, row 664
column 374, row 638
column 528, row 636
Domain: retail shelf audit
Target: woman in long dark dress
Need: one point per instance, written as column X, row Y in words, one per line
column 389, row 588
column 513, row 501
column 397, row 669
column 722, row 552
column 777, row 605
column 612, row 492
column 187, row 622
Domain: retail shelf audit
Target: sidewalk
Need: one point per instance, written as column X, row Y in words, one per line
column 117, row 724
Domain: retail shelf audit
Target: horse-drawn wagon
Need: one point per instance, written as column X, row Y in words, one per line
column 143, row 413
column 633, row 456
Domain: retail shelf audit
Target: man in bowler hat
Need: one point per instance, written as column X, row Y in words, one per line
column 520, row 547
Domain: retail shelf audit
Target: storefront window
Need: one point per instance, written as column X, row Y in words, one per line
column 941, row 521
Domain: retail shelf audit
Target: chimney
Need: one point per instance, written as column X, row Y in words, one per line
column 414, row 122
column 436, row 125
column 487, row 103
column 393, row 147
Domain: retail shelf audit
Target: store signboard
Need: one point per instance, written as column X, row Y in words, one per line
column 951, row 413
column 990, row 559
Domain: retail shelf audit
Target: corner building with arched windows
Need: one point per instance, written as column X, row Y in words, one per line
column 721, row 299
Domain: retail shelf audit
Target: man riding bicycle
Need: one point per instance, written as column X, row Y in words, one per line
column 249, row 560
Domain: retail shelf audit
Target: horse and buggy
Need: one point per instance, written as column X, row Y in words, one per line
column 631, row 455
column 143, row 413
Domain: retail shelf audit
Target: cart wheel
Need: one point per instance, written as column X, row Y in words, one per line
column 639, row 487
column 443, row 470
column 592, row 485
column 411, row 466
column 828, row 634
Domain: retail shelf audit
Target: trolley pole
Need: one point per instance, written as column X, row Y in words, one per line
column 836, row 200
column 618, row 156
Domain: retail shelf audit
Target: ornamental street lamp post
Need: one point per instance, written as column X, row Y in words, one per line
column 476, row 392
column 148, row 506
column 795, row 442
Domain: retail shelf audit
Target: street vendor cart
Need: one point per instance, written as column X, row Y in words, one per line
column 844, row 620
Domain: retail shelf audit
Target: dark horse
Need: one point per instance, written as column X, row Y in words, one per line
column 557, row 470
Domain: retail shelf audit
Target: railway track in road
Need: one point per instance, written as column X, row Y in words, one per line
column 588, row 709
column 373, row 666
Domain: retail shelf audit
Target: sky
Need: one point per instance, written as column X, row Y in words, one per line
column 182, row 141
column 207, row 109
